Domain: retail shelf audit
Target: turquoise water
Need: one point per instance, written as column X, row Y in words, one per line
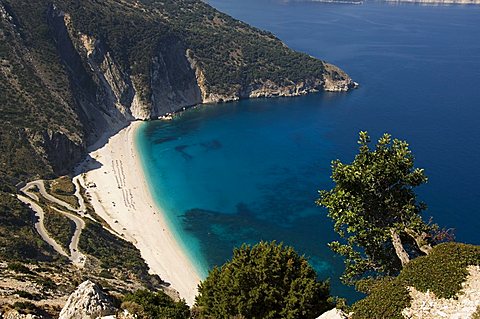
column 242, row 172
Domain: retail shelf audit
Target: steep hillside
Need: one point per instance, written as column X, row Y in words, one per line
column 71, row 70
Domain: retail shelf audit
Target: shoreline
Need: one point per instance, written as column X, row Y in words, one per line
column 122, row 198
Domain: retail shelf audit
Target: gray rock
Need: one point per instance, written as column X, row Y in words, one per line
column 14, row 314
column 333, row 314
column 87, row 301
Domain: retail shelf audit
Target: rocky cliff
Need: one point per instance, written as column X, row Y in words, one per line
column 72, row 71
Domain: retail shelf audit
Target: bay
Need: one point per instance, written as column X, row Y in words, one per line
column 242, row 172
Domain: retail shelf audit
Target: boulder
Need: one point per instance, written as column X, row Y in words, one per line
column 87, row 301
column 333, row 314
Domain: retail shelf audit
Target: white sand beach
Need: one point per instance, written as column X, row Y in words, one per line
column 121, row 197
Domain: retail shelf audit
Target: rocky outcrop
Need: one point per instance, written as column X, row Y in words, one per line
column 14, row 314
column 97, row 82
column 336, row 80
column 174, row 85
column 425, row 305
column 62, row 151
column 333, row 80
column 87, row 301
column 333, row 314
column 109, row 96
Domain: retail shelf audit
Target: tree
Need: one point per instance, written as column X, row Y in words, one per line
column 267, row 280
column 376, row 211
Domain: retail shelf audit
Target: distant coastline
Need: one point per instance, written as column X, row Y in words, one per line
column 426, row 2
column 437, row 2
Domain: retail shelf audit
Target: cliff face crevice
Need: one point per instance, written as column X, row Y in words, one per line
column 173, row 81
column 62, row 152
column 99, row 86
column 108, row 95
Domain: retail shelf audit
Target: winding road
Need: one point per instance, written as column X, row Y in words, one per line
column 39, row 225
column 40, row 184
column 76, row 257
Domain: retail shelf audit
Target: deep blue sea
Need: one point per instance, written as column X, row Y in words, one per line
column 248, row 171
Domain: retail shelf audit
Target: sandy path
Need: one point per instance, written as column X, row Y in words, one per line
column 122, row 198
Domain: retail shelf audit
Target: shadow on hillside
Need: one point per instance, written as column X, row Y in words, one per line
column 88, row 164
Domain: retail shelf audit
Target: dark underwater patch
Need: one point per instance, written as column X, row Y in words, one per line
column 181, row 149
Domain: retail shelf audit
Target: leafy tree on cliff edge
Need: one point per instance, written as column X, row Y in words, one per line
column 267, row 280
column 375, row 209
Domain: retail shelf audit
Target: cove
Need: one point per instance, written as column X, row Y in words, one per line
column 241, row 172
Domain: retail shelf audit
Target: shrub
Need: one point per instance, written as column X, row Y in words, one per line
column 267, row 280
column 25, row 307
column 20, row 268
column 152, row 305
column 441, row 272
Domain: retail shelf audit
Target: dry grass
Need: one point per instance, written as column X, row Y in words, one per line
column 63, row 189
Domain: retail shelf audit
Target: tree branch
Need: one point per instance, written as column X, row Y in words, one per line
column 420, row 240
column 399, row 250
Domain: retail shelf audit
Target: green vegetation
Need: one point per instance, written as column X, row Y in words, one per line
column 43, row 93
column 375, row 209
column 114, row 252
column 18, row 239
column 19, row 268
column 25, row 307
column 63, row 189
column 232, row 53
column 35, row 96
column 27, row 295
column 442, row 272
column 155, row 305
column 46, row 283
column 60, row 227
column 264, row 281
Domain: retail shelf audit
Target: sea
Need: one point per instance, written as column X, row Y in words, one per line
column 243, row 172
